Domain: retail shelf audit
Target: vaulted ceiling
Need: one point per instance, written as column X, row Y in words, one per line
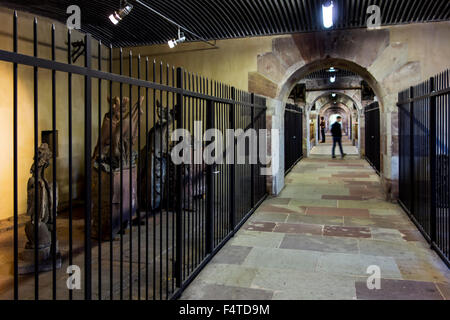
column 225, row 19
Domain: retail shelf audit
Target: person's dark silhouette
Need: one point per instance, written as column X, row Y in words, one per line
column 336, row 131
column 322, row 128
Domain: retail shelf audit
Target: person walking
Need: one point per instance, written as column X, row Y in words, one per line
column 336, row 131
column 322, row 128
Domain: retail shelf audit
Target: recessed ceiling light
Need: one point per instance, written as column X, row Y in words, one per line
column 327, row 14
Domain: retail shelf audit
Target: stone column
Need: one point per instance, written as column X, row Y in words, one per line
column 275, row 113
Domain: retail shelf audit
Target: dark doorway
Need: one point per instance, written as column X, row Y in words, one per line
column 293, row 136
column 372, row 117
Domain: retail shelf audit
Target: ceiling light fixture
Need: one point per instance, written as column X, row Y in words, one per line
column 118, row 15
column 332, row 69
column 333, row 79
column 174, row 42
column 125, row 9
column 327, row 14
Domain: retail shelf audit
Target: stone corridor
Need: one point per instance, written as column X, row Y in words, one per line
column 317, row 239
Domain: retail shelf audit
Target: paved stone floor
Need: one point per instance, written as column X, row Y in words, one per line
column 317, row 240
column 325, row 148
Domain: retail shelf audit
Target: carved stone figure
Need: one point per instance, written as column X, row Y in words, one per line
column 154, row 165
column 120, row 146
column 159, row 171
column 44, row 213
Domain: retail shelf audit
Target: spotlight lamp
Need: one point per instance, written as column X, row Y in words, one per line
column 327, row 14
column 118, row 15
column 333, row 95
column 174, row 42
column 333, row 79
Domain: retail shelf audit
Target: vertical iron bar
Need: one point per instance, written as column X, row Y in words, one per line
column 209, row 185
column 121, row 226
column 169, row 173
column 16, row 204
column 99, row 231
column 111, row 182
column 166, row 186
column 433, row 176
column 153, row 197
column 161, row 240
column 69, row 102
column 179, row 205
column 87, row 168
column 252, row 166
column 130, row 182
column 36, row 166
column 146, row 167
column 411, row 149
column 53, row 248
column 138, row 211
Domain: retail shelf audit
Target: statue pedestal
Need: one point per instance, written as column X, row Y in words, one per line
column 108, row 209
column 45, row 259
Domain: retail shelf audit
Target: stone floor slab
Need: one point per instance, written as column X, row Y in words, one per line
column 350, row 212
column 320, row 244
column 204, row 291
column 228, row 274
column 351, row 232
column 299, row 228
column 305, row 286
column 259, row 226
column 232, row 255
column 283, row 259
column 357, row 265
column 257, row 239
column 399, row 290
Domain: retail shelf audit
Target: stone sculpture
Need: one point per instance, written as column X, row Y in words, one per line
column 120, row 149
column 154, row 165
column 44, row 213
column 161, row 174
column 110, row 154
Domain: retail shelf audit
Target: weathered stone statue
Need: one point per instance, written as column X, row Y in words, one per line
column 160, row 174
column 44, row 213
column 109, row 153
column 114, row 142
column 154, row 165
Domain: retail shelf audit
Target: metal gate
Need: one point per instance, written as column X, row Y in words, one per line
column 424, row 159
column 293, row 136
column 372, row 119
column 130, row 221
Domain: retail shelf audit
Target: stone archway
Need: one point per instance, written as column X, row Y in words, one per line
column 344, row 97
column 371, row 54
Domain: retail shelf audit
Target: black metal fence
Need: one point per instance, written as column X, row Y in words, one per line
column 372, row 122
column 143, row 225
column 293, row 136
column 424, row 120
